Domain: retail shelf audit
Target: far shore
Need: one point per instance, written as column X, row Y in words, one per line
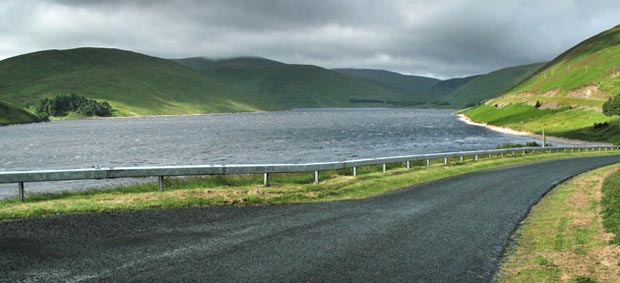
column 550, row 139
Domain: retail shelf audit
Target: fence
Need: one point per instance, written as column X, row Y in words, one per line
column 21, row 177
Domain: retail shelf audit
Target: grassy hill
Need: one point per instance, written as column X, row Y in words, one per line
column 134, row 84
column 294, row 86
column 414, row 86
column 429, row 92
column 137, row 84
column 446, row 87
column 565, row 96
column 450, row 93
column 10, row 114
column 489, row 85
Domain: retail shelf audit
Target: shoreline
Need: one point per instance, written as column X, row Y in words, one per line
column 509, row 131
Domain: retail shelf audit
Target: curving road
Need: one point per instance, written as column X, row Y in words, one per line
column 452, row 230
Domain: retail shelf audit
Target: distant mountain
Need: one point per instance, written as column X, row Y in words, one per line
column 429, row 92
column 489, row 85
column 133, row 83
column 566, row 95
column 414, row 86
column 452, row 93
column 295, row 86
column 10, row 114
column 446, row 87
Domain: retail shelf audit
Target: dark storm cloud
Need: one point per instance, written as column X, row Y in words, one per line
column 438, row 38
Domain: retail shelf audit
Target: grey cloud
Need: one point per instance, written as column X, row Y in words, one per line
column 438, row 38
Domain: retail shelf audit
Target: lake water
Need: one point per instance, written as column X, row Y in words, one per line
column 297, row 136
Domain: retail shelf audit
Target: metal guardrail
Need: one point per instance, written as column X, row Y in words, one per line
column 21, row 177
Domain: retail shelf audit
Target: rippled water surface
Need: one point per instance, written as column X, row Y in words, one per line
column 297, row 136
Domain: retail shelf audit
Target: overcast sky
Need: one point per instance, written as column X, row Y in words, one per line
column 439, row 38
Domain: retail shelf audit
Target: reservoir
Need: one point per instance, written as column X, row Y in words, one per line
column 296, row 136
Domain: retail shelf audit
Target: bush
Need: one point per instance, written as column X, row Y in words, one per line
column 600, row 125
column 62, row 104
column 471, row 104
column 515, row 145
column 612, row 107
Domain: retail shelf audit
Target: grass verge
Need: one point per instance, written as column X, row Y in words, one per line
column 563, row 239
column 248, row 190
column 611, row 205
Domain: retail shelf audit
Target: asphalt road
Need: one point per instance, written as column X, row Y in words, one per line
column 452, row 230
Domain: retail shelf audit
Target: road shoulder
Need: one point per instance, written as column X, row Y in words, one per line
column 563, row 237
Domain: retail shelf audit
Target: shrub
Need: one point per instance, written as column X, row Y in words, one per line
column 600, row 125
column 612, row 107
column 515, row 145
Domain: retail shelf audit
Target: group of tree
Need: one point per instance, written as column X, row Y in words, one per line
column 61, row 105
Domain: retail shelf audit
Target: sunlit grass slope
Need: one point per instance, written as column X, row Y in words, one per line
column 565, row 96
column 10, row 114
column 134, row 84
column 595, row 61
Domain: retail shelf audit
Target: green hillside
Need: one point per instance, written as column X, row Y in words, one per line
column 592, row 62
column 414, row 86
column 489, row 85
column 429, row 92
column 137, row 84
column 12, row 115
column 295, row 86
column 574, row 85
column 452, row 93
column 134, row 84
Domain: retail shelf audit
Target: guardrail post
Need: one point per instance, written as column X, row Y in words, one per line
column 513, row 153
column 22, row 196
column 524, row 152
column 383, row 168
column 428, row 162
column 408, row 163
column 161, row 183
column 316, row 177
column 266, row 180
column 445, row 161
column 354, row 171
column 461, row 158
column 476, row 157
column 489, row 155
